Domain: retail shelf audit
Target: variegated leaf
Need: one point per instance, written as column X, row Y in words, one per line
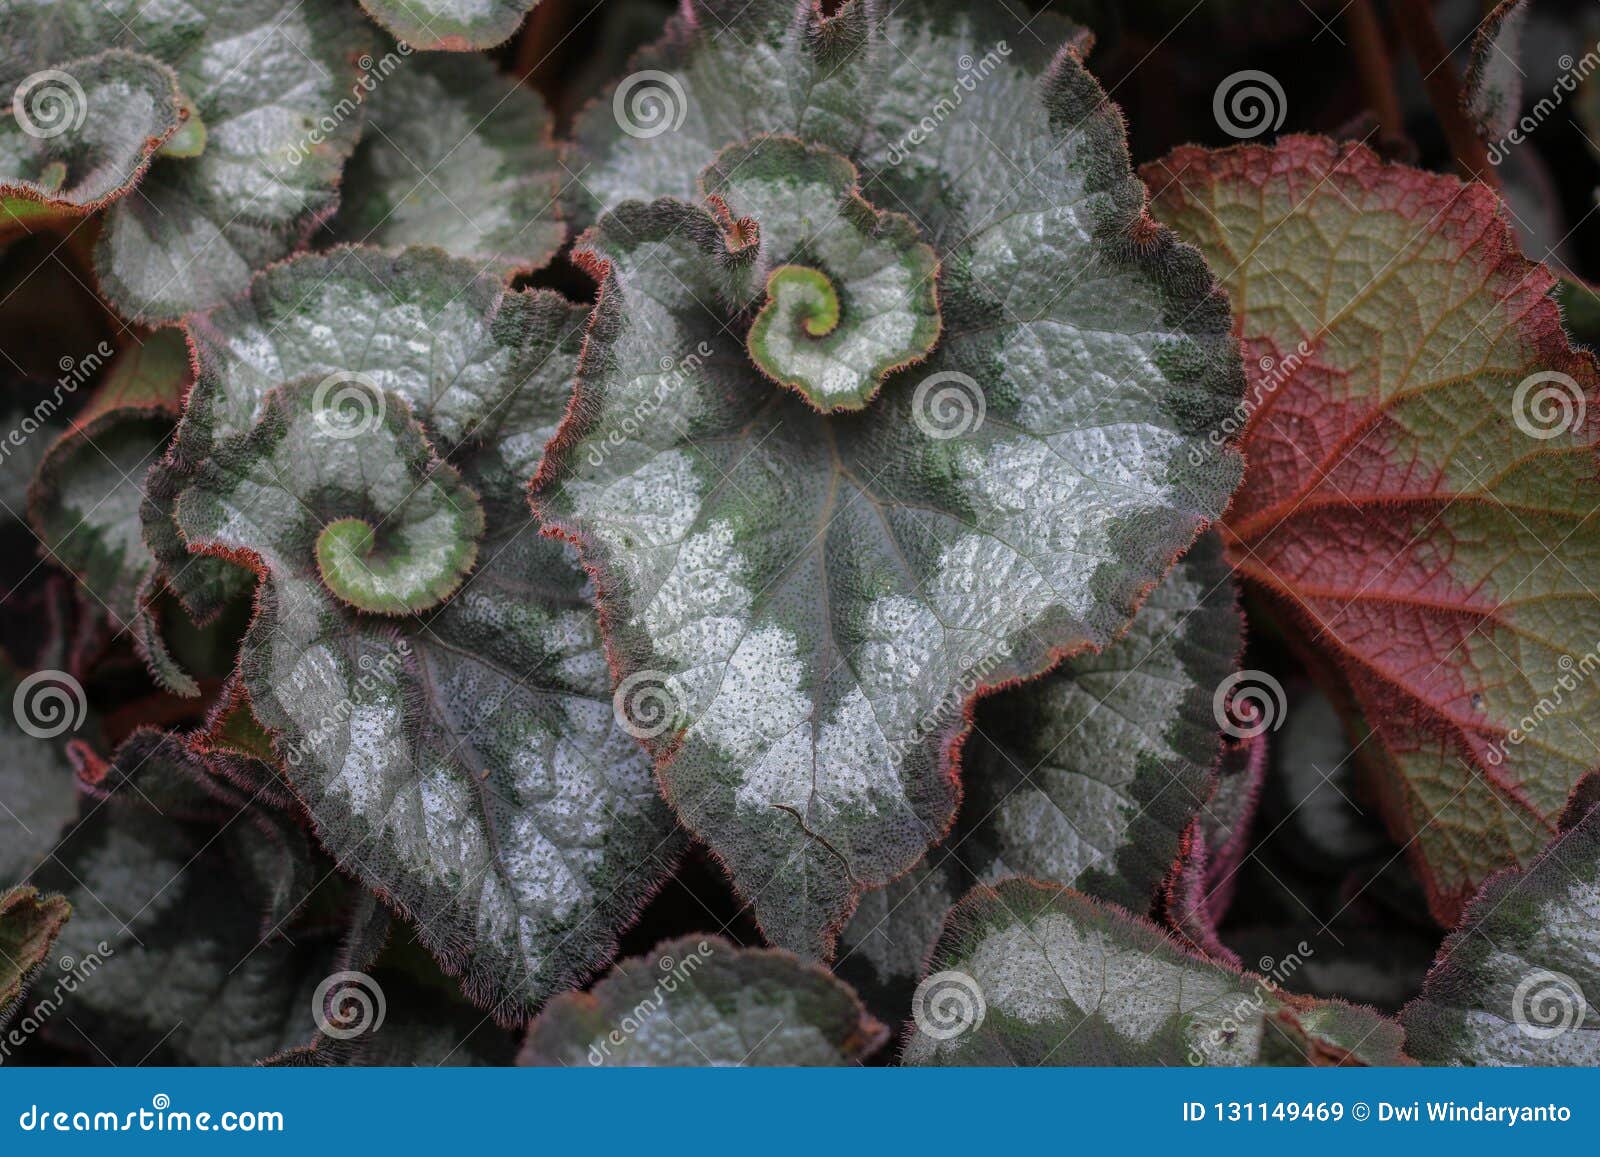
column 448, row 722
column 814, row 598
column 1028, row 974
column 1518, row 981
column 701, row 1001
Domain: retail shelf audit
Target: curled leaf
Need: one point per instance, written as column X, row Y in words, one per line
column 441, row 334
column 275, row 84
column 851, row 292
column 812, row 600
column 391, row 529
column 57, row 161
column 462, row 757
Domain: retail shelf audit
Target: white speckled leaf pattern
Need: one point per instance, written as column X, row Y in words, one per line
column 1066, row 980
column 1086, row 777
column 1518, row 982
column 887, row 940
column 457, row 155
column 273, row 82
column 822, row 595
column 465, row 761
column 1089, row 776
column 702, row 1002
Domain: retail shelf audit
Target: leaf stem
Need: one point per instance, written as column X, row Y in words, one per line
column 1376, row 69
column 1428, row 49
